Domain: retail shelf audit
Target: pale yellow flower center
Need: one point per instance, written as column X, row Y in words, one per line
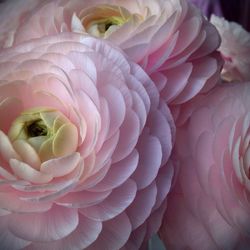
column 46, row 130
column 102, row 20
column 103, row 26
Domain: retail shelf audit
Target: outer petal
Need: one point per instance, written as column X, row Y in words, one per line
column 114, row 204
column 52, row 225
column 86, row 233
column 114, row 234
column 209, row 204
column 8, row 240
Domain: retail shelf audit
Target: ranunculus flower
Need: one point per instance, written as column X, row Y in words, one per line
column 235, row 49
column 209, row 207
column 84, row 147
column 12, row 15
column 170, row 39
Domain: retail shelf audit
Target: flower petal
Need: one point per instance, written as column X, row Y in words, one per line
column 26, row 172
column 85, row 234
column 60, row 166
column 8, row 240
column 141, row 208
column 114, row 204
column 114, row 234
column 149, row 162
column 55, row 224
column 28, row 153
column 119, row 173
column 83, row 199
column 6, row 149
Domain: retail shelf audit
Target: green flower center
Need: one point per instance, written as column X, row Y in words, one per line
column 46, row 130
column 104, row 24
column 102, row 20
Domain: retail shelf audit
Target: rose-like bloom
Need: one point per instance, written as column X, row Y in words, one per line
column 170, row 39
column 12, row 15
column 209, row 207
column 235, row 49
column 84, row 147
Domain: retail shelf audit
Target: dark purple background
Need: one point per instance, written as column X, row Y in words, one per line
column 233, row 10
column 238, row 11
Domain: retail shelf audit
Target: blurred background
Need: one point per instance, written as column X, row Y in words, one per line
column 233, row 10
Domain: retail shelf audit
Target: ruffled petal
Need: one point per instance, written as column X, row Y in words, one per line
column 137, row 212
column 85, row 234
column 26, row 172
column 114, row 233
column 149, row 162
column 60, row 166
column 114, row 204
column 8, row 240
column 119, row 173
column 55, row 224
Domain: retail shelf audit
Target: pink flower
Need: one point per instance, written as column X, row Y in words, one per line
column 209, row 207
column 235, row 49
column 84, row 147
column 170, row 39
column 12, row 15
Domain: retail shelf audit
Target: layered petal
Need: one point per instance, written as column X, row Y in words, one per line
column 161, row 36
column 86, row 147
column 208, row 207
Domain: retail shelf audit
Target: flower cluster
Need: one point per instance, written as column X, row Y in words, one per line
column 209, row 205
column 114, row 113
